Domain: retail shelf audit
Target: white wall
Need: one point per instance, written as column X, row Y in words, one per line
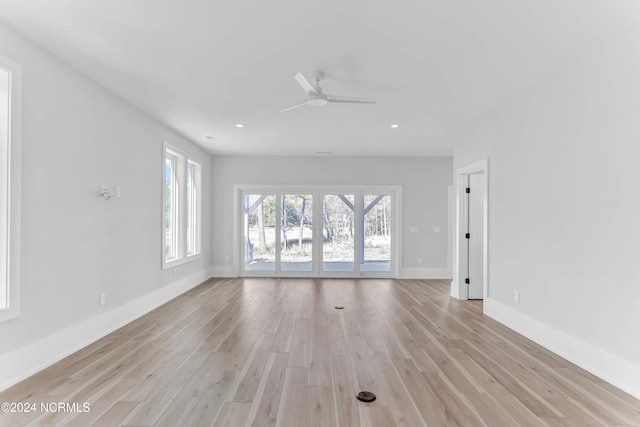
column 564, row 204
column 76, row 245
column 424, row 183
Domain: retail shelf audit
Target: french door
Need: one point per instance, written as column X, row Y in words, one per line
column 317, row 232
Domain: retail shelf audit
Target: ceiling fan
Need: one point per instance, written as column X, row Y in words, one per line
column 315, row 96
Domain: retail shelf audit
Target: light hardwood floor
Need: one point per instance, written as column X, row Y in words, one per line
column 263, row 352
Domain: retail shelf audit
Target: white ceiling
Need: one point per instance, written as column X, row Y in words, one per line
column 434, row 66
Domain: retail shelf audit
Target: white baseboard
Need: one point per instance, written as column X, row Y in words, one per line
column 28, row 360
column 424, row 273
column 223, row 271
column 403, row 273
column 617, row 371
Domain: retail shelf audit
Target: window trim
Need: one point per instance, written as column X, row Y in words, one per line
column 11, row 156
column 179, row 209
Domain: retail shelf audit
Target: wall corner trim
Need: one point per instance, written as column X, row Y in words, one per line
column 455, row 289
column 34, row 357
column 617, row 371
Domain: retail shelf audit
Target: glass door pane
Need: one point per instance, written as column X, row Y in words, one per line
column 296, row 233
column 260, row 232
column 376, row 244
column 338, row 232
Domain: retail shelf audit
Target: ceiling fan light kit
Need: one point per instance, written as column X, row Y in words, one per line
column 317, row 101
column 316, row 98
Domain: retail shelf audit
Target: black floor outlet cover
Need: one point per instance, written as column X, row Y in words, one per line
column 366, row 396
column 339, row 307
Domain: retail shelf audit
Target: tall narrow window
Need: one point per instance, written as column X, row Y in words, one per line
column 4, row 180
column 170, row 208
column 189, row 217
column 10, row 75
column 193, row 208
column 181, row 207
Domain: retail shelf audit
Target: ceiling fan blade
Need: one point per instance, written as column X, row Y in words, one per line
column 306, row 85
column 350, row 100
column 292, row 107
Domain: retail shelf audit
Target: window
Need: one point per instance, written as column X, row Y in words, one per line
column 181, row 222
column 10, row 82
column 170, row 208
column 193, row 208
column 317, row 230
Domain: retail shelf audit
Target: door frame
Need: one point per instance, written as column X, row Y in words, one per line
column 318, row 191
column 459, row 289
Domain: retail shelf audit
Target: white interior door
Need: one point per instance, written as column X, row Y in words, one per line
column 475, row 240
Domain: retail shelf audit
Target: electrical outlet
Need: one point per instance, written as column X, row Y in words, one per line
column 516, row 297
column 102, row 299
column 117, row 191
column 419, row 260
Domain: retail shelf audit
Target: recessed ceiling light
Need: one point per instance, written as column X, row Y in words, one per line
column 394, row 125
column 239, row 125
column 323, row 153
column 210, row 138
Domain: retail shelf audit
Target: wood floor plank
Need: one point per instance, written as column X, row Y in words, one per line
column 380, row 416
column 266, row 408
column 272, row 322
column 533, row 381
column 428, row 403
column 164, row 391
column 335, row 333
column 319, row 365
column 210, row 404
column 368, row 331
column 572, row 414
column 490, row 412
column 267, row 352
column 191, row 392
column 182, row 357
column 100, row 405
column 451, row 369
column 364, row 371
column 282, row 340
column 456, row 408
column 620, row 411
column 344, row 391
column 233, row 414
column 404, row 410
column 254, row 372
column 300, row 344
column 320, row 408
column 350, row 321
column 116, row 414
column 511, row 382
column 515, row 408
column 293, row 405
